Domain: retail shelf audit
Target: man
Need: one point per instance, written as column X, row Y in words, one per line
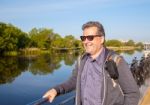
column 92, row 82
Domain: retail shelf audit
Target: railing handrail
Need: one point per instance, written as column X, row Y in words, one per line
column 38, row 101
column 67, row 100
column 43, row 100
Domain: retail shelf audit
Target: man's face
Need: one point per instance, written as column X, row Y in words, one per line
column 94, row 46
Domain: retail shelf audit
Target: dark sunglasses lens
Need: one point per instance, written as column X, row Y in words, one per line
column 83, row 38
column 90, row 38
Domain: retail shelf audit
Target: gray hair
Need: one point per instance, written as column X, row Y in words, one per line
column 94, row 24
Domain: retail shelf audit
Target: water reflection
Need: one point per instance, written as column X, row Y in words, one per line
column 12, row 67
column 129, row 52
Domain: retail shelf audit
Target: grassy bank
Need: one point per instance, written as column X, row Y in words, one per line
column 124, row 48
column 37, row 51
column 11, row 53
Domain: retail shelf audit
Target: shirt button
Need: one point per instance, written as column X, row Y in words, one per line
column 85, row 99
column 87, row 86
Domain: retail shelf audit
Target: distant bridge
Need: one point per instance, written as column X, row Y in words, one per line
column 146, row 53
column 146, row 49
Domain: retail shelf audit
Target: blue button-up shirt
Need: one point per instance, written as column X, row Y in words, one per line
column 92, row 80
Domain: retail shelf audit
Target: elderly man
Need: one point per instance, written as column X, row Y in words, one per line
column 93, row 83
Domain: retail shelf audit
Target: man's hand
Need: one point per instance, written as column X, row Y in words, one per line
column 51, row 94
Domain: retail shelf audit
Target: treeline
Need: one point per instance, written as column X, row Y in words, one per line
column 14, row 39
column 117, row 43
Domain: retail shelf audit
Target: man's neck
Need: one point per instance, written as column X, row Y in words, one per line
column 97, row 54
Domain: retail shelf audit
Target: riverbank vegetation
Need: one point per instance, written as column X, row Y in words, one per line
column 14, row 41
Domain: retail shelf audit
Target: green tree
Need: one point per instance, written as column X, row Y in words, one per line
column 11, row 38
column 41, row 38
column 23, row 41
column 33, row 37
column 77, row 44
column 114, row 43
column 139, row 44
column 58, row 43
column 69, row 41
column 130, row 43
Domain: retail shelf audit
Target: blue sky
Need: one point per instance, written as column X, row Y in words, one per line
column 122, row 19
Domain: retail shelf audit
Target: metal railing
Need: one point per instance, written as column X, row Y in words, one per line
column 44, row 100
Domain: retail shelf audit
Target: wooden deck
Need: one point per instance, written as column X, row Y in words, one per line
column 146, row 98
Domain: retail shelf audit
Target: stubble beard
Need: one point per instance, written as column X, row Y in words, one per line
column 90, row 48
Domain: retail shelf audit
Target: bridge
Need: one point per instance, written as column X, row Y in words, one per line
column 146, row 49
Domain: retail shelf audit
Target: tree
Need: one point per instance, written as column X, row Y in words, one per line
column 58, row 43
column 130, row 43
column 69, row 41
column 114, row 43
column 139, row 44
column 41, row 38
column 11, row 38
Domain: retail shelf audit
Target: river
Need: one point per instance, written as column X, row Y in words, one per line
column 24, row 79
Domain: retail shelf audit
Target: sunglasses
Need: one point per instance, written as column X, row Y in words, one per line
column 89, row 37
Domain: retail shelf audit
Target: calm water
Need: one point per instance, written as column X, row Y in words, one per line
column 25, row 79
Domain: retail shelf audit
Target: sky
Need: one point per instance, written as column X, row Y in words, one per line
column 122, row 19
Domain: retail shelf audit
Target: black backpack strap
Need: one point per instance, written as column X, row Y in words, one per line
column 112, row 60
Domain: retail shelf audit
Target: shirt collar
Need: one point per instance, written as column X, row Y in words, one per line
column 100, row 57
